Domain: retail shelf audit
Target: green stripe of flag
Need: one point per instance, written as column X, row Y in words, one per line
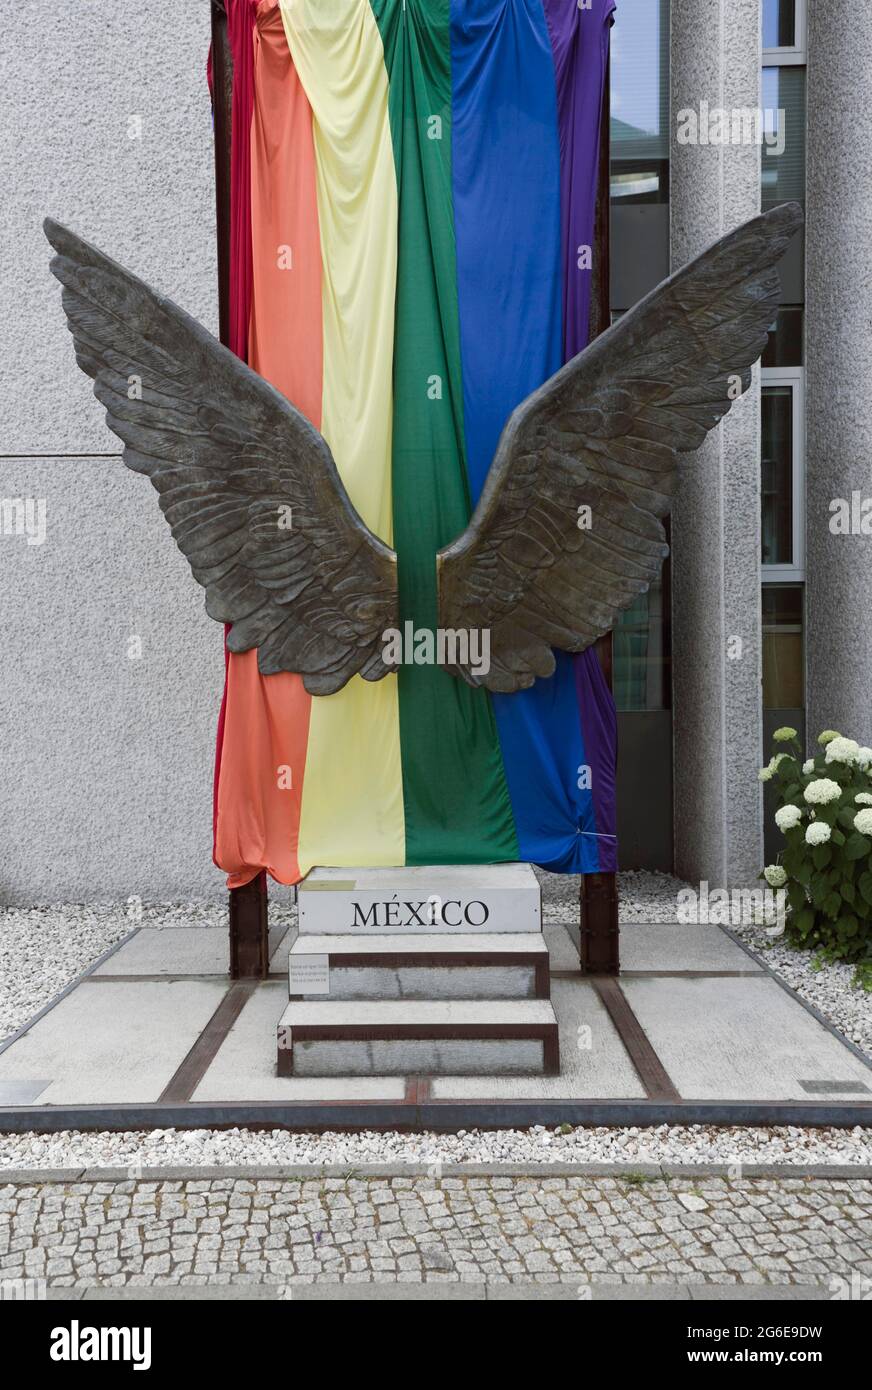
column 456, row 799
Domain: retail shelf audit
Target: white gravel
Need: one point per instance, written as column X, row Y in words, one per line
column 642, row 896
column 43, row 948
column 665, row 1144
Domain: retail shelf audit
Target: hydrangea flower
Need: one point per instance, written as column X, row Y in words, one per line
column 863, row 799
column 822, row 791
column 775, row 875
column 817, row 833
column 808, row 766
column 772, row 766
column 842, row 750
column 827, row 737
column 864, row 757
column 784, row 734
column 863, row 822
column 787, row 817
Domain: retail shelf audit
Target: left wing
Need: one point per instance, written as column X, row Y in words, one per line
column 249, row 487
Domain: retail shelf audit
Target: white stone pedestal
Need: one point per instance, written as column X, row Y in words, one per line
column 430, row 970
column 440, row 898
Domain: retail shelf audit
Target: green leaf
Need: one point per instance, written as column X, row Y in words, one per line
column 819, row 888
column 821, row 856
column 864, row 883
column 804, row 921
column 848, row 891
column 791, row 860
column 802, row 874
column 832, row 904
column 857, row 847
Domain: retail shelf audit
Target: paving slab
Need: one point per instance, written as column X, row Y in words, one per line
column 593, row 1061
column 111, row 1042
column 245, row 1065
column 278, row 961
column 21, row 1092
column 562, row 951
column 170, row 951
column 742, row 1039
column 669, row 946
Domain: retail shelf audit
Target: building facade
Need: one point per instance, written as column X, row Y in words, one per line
column 112, row 675
column 761, row 620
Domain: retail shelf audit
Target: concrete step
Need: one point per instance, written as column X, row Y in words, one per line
column 448, row 1037
column 421, row 899
column 504, row 965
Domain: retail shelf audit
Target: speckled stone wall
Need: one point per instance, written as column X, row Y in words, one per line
column 839, row 366
column 717, row 724
column 108, row 748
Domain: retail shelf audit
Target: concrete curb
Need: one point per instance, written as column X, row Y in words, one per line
column 573, row 1291
column 199, row 1172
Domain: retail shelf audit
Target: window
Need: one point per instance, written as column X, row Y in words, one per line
column 782, row 473
column 641, row 670
column 640, row 125
column 784, row 32
column 782, row 157
column 640, row 102
column 783, row 661
column 785, row 345
column 782, row 460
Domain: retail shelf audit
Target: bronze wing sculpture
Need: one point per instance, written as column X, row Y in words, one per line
column 567, row 531
column 603, row 434
column 247, row 485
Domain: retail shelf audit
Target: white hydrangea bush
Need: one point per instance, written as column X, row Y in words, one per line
column 825, row 817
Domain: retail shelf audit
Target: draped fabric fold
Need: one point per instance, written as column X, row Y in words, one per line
column 266, row 721
column 580, row 46
column 421, row 174
column 456, row 797
column 352, row 811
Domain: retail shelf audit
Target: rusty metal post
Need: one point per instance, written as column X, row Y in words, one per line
column 599, row 933
column 249, row 926
column 249, row 930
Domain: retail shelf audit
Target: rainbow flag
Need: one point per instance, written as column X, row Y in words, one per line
column 413, row 191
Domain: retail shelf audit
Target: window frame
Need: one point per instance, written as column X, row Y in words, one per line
column 794, row 377
column 797, row 54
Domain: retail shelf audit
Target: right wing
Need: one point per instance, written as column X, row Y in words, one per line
column 605, row 434
column 247, row 485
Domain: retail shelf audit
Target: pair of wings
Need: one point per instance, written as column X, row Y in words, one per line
column 567, row 531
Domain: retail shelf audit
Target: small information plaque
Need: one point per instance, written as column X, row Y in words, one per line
column 309, row 974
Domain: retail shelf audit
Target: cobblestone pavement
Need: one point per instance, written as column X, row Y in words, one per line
column 487, row 1229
